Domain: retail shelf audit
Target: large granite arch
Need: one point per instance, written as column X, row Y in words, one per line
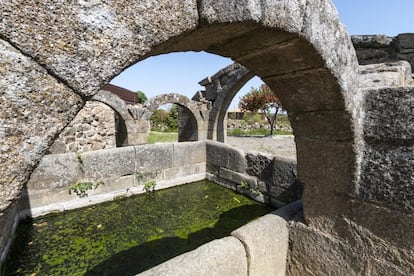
column 52, row 61
column 299, row 46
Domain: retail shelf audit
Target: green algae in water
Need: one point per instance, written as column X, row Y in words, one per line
column 131, row 235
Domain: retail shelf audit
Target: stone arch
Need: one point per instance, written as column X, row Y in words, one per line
column 123, row 116
column 114, row 102
column 298, row 47
column 93, row 128
column 221, row 88
column 189, row 118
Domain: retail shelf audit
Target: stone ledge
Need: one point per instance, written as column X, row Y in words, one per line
column 225, row 256
column 266, row 242
column 96, row 198
column 385, row 74
column 222, row 155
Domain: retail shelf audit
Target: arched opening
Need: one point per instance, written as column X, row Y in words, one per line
column 181, row 115
column 308, row 89
column 187, row 125
column 298, row 49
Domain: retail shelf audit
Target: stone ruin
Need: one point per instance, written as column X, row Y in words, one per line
column 354, row 136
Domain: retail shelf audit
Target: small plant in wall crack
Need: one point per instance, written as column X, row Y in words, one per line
column 150, row 186
column 244, row 186
column 80, row 161
column 141, row 176
column 253, row 190
column 81, row 188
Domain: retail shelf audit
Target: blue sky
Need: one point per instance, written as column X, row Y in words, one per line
column 181, row 72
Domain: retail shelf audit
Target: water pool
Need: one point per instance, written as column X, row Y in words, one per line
column 130, row 235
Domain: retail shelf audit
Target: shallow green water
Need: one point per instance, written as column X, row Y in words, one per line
column 130, row 235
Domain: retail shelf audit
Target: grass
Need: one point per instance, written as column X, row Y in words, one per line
column 282, row 121
column 162, row 137
column 261, row 132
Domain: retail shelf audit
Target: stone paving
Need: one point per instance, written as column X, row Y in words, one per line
column 281, row 145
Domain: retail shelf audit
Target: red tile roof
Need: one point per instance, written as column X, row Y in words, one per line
column 128, row 96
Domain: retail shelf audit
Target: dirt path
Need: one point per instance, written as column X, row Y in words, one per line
column 281, row 145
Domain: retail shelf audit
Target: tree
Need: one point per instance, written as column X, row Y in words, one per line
column 165, row 119
column 141, row 97
column 172, row 119
column 262, row 99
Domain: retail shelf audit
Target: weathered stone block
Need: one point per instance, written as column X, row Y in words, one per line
column 391, row 226
column 378, row 267
column 368, row 56
column 371, row 41
column 329, row 255
column 56, row 171
column 189, row 153
column 258, row 164
column 184, row 171
column 93, row 35
column 221, row 155
column 216, row 11
column 287, row 56
column 326, row 170
column 255, row 39
column 349, row 254
column 284, row 14
column 387, row 176
column 337, row 159
column 389, row 113
column 405, row 41
column 34, row 108
column 321, row 24
column 301, row 91
column 322, row 125
column 154, row 157
column 237, row 178
column 266, row 241
column 226, row 256
column 102, row 164
column 385, row 74
column 278, row 175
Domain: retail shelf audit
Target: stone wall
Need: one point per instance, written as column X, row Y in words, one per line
column 269, row 179
column 258, row 248
column 372, row 49
column 266, row 178
column 118, row 171
column 92, row 129
column 380, row 218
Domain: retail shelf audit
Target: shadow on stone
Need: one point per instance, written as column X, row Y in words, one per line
column 150, row 254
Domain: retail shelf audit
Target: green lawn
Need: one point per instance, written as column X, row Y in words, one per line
column 162, row 137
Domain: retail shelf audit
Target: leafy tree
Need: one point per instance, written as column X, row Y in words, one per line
column 172, row 119
column 165, row 119
column 158, row 119
column 262, row 99
column 141, row 97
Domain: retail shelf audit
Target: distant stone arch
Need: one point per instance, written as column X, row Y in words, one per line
column 221, row 88
column 191, row 122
